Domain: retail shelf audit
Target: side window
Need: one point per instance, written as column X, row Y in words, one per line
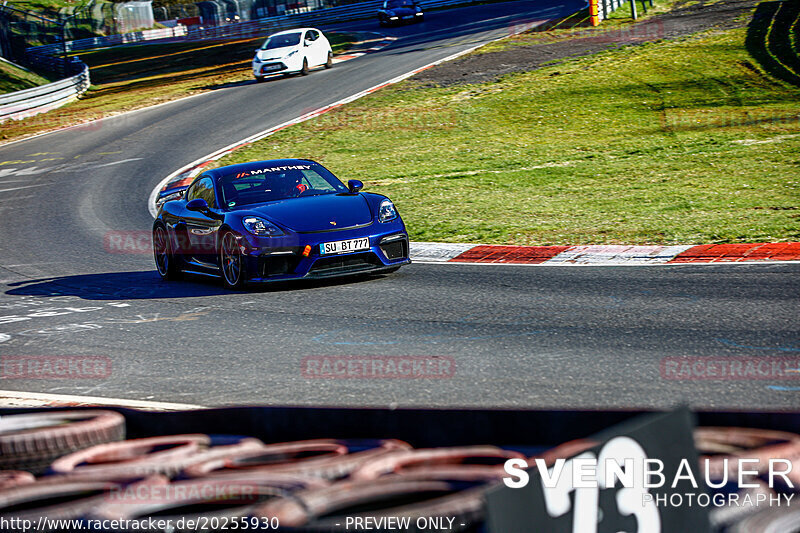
column 315, row 181
column 203, row 188
column 314, row 35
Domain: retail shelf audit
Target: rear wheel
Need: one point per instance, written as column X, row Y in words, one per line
column 259, row 79
column 304, row 70
column 165, row 259
column 231, row 262
column 329, row 63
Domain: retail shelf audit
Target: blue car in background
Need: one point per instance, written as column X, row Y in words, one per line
column 276, row 220
column 393, row 12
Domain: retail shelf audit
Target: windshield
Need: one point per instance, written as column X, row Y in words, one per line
column 394, row 4
column 281, row 41
column 278, row 183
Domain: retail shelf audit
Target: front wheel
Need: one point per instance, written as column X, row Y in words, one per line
column 329, row 63
column 162, row 252
column 231, row 262
column 304, row 70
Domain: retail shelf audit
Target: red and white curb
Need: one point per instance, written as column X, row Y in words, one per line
column 378, row 44
column 10, row 398
column 427, row 252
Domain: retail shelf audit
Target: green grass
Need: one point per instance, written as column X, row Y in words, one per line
column 683, row 141
column 131, row 77
column 13, row 78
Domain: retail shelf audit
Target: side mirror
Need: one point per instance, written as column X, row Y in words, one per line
column 258, row 50
column 354, row 186
column 198, row 204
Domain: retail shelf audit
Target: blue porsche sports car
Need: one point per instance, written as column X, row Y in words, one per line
column 275, row 220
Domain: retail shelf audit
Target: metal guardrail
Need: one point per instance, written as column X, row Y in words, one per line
column 21, row 104
column 253, row 28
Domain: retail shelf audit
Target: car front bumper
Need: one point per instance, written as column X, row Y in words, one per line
column 278, row 66
column 298, row 256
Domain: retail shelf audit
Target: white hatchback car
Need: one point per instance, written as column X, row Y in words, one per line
column 292, row 51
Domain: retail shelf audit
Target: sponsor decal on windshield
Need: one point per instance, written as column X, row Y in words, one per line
column 272, row 169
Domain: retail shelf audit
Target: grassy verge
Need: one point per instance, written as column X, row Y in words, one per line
column 13, row 78
column 131, row 77
column 683, row 141
column 577, row 26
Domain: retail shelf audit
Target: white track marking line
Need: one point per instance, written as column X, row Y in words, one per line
column 432, row 252
column 6, row 395
column 23, row 187
column 90, row 122
column 618, row 254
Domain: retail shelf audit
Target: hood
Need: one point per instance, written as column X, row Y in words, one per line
column 275, row 53
column 402, row 11
column 315, row 213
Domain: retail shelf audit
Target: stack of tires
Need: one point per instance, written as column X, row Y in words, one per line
column 76, row 465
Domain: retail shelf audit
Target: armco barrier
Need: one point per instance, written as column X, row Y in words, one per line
column 21, row 104
column 255, row 28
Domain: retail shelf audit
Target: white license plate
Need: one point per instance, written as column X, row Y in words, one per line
column 270, row 67
column 340, row 247
column 409, row 17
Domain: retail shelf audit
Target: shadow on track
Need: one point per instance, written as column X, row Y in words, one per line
column 146, row 285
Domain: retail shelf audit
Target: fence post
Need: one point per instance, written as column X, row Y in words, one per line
column 593, row 13
column 633, row 9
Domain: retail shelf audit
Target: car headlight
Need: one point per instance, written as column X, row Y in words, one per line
column 290, row 54
column 387, row 212
column 262, row 228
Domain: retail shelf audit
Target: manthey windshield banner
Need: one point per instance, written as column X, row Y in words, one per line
column 642, row 476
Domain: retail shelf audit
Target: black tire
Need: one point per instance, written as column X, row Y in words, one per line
column 14, row 478
column 32, row 441
column 231, row 262
column 166, row 455
column 57, row 499
column 163, row 255
column 304, row 70
column 329, row 62
column 259, row 79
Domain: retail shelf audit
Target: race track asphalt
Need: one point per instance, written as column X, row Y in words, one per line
column 515, row 335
